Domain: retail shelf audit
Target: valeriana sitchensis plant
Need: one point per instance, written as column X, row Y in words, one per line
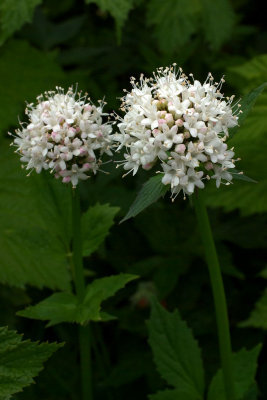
column 180, row 126
column 68, row 135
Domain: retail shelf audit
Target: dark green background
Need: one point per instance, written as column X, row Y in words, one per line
column 100, row 45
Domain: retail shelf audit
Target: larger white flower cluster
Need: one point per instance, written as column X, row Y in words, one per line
column 183, row 124
column 66, row 134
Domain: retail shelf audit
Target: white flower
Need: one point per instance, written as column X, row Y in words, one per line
column 66, row 134
column 181, row 123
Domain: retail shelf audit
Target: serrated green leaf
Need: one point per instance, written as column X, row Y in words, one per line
column 218, row 21
column 14, row 14
column 245, row 366
column 96, row 222
column 25, row 73
column 20, row 361
column 173, row 395
column 258, row 317
column 100, row 290
column 151, row 191
column 60, row 307
column 176, row 352
column 64, row 307
column 174, row 22
column 34, row 226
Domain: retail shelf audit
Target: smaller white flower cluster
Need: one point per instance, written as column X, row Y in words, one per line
column 65, row 134
column 183, row 124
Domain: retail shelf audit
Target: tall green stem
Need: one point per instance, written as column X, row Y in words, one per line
column 218, row 295
column 79, row 281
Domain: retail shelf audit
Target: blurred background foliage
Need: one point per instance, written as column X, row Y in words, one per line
column 99, row 44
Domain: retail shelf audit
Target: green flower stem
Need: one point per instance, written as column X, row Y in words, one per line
column 79, row 281
column 218, row 295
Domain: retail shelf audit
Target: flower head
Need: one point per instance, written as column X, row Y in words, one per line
column 180, row 123
column 66, row 134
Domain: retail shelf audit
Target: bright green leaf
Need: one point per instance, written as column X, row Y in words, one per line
column 20, row 361
column 25, row 73
column 96, row 222
column 34, row 228
column 151, row 191
column 218, row 21
column 14, row 14
column 245, row 367
column 60, row 307
column 100, row 290
column 64, row 307
column 176, row 352
column 258, row 317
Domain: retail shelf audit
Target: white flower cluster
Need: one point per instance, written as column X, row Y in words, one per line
column 65, row 134
column 182, row 123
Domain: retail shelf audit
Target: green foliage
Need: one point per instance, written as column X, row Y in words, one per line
column 35, row 227
column 25, row 73
column 174, row 22
column 119, row 9
column 238, row 175
column 20, row 361
column 247, row 103
column 71, row 41
column 248, row 141
column 13, row 14
column 176, row 354
column 258, row 317
column 96, row 222
column 245, row 367
column 64, row 307
column 151, row 191
column 218, row 20
column 60, row 307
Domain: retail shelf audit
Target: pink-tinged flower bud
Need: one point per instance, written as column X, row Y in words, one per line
column 203, row 129
column 209, row 166
column 179, row 122
column 87, row 166
column 187, row 135
column 180, row 148
column 162, row 114
column 66, row 179
column 147, row 166
column 162, row 122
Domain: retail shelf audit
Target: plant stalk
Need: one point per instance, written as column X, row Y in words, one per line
column 79, row 282
column 218, row 296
